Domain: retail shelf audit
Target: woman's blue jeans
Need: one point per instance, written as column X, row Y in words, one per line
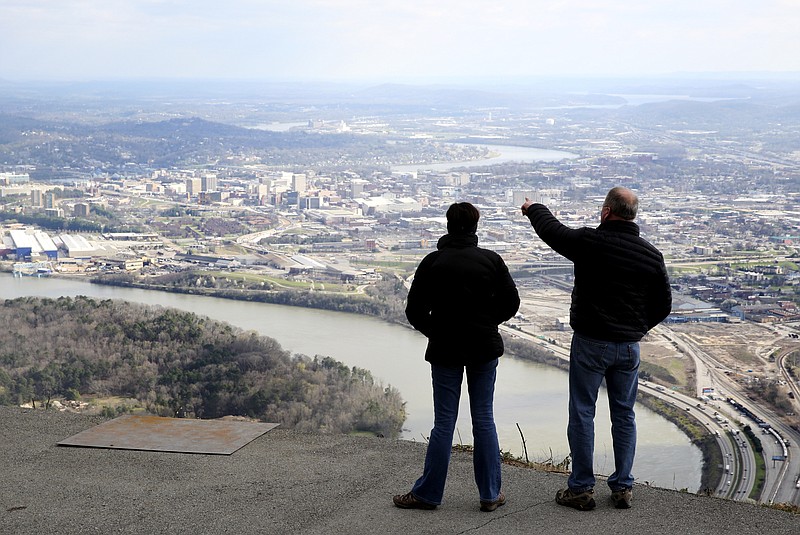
column 486, row 455
column 591, row 361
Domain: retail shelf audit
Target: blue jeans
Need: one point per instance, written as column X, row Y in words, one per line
column 591, row 361
column 486, row 455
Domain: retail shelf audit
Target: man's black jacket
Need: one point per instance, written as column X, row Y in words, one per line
column 621, row 286
column 460, row 294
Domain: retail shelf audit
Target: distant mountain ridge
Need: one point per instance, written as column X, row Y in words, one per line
column 128, row 127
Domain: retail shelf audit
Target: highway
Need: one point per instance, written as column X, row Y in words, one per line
column 738, row 458
column 726, row 423
column 781, row 475
column 739, row 476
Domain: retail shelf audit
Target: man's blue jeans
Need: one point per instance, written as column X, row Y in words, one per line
column 486, row 455
column 591, row 361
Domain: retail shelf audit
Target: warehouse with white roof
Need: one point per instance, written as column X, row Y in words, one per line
column 25, row 245
column 46, row 244
column 77, row 246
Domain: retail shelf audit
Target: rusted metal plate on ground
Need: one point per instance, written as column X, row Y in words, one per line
column 180, row 435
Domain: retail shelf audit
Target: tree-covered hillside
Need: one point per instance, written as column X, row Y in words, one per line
column 179, row 364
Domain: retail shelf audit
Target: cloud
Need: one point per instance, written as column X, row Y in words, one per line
column 392, row 38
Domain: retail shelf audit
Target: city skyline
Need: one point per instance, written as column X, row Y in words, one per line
column 411, row 41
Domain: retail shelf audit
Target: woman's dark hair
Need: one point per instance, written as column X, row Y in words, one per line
column 462, row 218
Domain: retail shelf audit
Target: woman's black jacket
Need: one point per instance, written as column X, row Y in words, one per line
column 459, row 295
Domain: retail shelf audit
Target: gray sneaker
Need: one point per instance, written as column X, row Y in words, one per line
column 582, row 501
column 622, row 498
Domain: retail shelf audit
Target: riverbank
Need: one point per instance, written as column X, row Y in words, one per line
column 317, row 299
column 711, row 472
column 711, row 464
column 529, row 395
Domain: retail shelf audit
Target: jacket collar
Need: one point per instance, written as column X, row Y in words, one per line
column 618, row 225
column 457, row 241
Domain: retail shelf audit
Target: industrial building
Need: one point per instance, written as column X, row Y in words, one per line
column 28, row 244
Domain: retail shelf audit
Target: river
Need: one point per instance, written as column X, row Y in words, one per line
column 529, row 394
column 504, row 154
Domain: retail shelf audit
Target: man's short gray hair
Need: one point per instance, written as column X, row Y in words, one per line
column 622, row 202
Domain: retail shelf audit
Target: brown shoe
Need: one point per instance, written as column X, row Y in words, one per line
column 409, row 501
column 622, row 498
column 582, row 501
column 491, row 506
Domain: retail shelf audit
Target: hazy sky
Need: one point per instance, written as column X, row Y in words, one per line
column 392, row 40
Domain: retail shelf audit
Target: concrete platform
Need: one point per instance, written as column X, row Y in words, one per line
column 285, row 482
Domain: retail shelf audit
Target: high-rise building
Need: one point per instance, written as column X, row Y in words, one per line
column 545, row 196
column 519, row 196
column 311, row 203
column 357, row 187
column 209, row 182
column 193, row 186
column 262, row 193
column 81, row 209
column 299, row 182
column 36, row 197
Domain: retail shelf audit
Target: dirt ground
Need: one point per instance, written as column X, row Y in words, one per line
column 740, row 347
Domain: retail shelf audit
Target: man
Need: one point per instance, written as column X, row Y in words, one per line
column 621, row 291
column 460, row 294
